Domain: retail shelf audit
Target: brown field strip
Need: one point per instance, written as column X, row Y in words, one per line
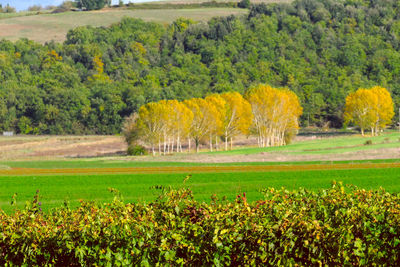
column 197, row 169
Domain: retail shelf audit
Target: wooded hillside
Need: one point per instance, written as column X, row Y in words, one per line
column 322, row 50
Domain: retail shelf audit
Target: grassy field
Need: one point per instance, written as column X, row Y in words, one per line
column 222, row 173
column 112, row 163
column 328, row 145
column 334, row 147
column 56, row 189
column 46, row 27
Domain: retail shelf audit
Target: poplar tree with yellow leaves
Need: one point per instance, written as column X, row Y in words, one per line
column 152, row 121
column 205, row 117
column 369, row 109
column 216, row 126
column 180, row 119
column 237, row 116
column 275, row 114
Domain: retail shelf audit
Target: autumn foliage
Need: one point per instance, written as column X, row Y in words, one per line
column 369, row 109
column 332, row 227
column 276, row 113
column 271, row 113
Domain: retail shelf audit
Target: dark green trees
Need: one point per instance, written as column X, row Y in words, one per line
column 322, row 50
column 91, row 4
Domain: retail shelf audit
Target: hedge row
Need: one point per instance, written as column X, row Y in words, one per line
column 336, row 226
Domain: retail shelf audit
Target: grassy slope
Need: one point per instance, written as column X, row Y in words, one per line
column 46, row 27
column 136, row 187
column 328, row 145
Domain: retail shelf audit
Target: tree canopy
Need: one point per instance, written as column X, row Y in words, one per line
column 91, row 4
column 369, row 109
column 321, row 50
column 272, row 113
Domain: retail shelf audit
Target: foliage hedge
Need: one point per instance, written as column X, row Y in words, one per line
column 336, row 226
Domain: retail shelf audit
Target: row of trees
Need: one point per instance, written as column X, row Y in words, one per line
column 270, row 113
column 92, row 4
column 369, row 109
column 7, row 9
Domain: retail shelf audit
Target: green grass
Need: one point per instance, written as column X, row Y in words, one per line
column 136, row 187
column 115, row 163
column 23, row 14
column 46, row 27
column 326, row 145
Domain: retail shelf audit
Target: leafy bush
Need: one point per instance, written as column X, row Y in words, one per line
column 368, row 143
column 244, row 4
column 91, row 4
column 136, row 150
column 35, row 8
column 336, row 226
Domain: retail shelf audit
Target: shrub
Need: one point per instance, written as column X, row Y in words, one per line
column 334, row 227
column 244, row 4
column 35, row 8
column 368, row 143
column 289, row 136
column 136, row 150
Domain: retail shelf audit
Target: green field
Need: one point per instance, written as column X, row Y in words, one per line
column 110, row 163
column 56, row 189
column 327, row 145
column 46, row 27
column 89, row 178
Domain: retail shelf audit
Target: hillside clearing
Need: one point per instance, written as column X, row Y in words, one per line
column 46, row 27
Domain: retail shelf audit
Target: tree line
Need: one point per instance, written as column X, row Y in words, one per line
column 270, row 113
column 321, row 50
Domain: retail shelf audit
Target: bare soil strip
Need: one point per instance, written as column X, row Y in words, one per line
column 196, row 169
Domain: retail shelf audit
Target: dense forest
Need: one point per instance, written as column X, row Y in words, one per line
column 320, row 49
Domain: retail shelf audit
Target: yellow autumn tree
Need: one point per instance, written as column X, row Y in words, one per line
column 167, row 131
column 237, row 116
column 51, row 58
column 98, row 67
column 203, row 115
column 151, row 122
column 384, row 109
column 369, row 109
column 180, row 119
column 216, row 125
column 288, row 124
column 275, row 113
